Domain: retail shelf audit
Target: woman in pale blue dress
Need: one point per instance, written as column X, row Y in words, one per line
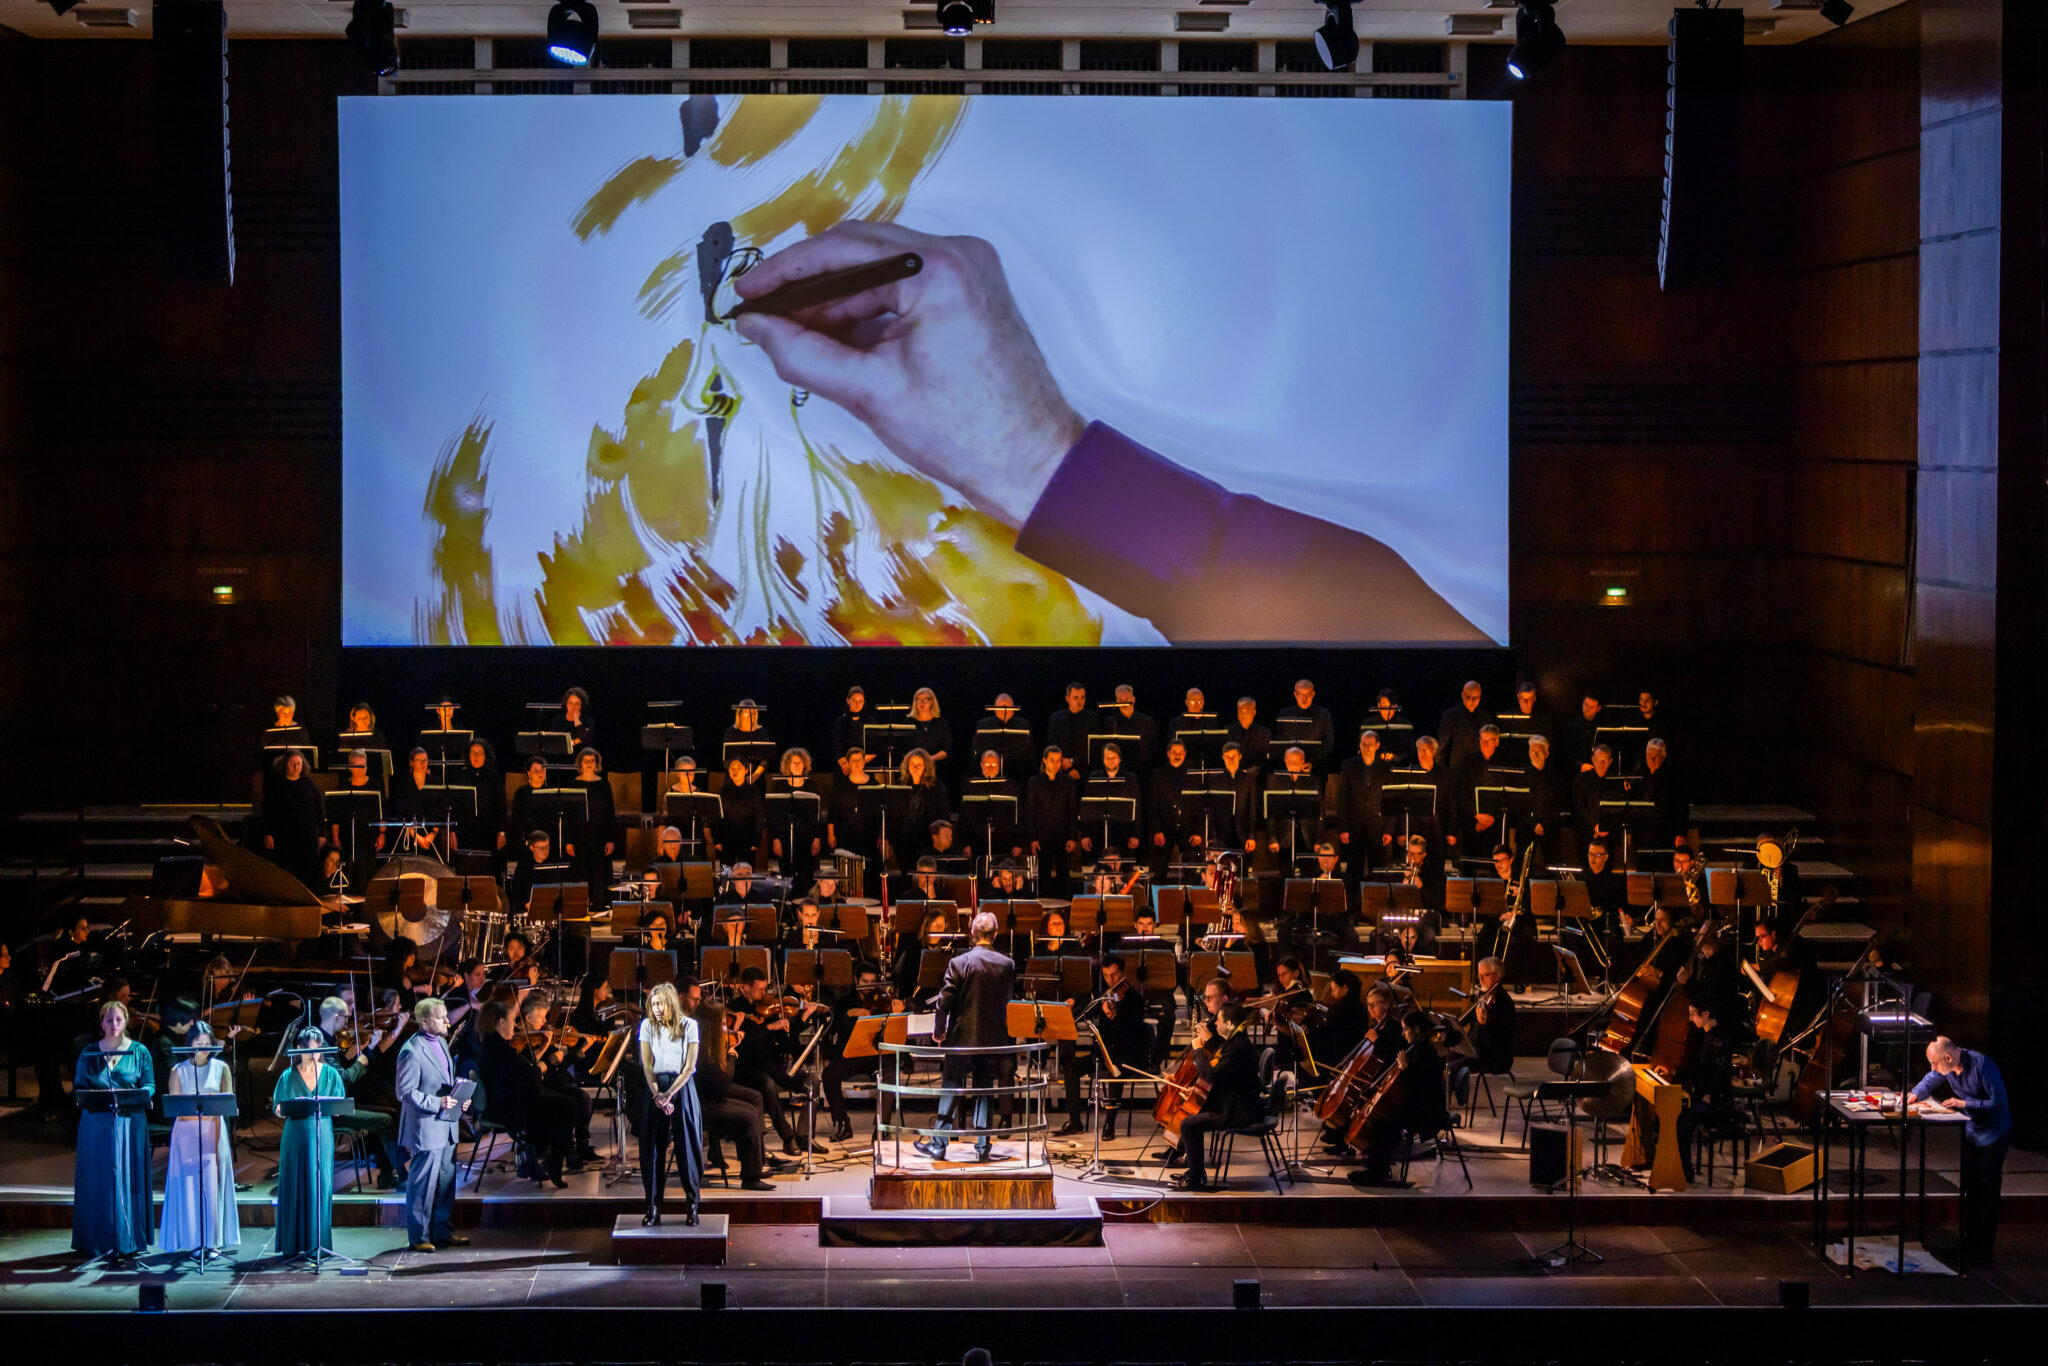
column 199, row 1183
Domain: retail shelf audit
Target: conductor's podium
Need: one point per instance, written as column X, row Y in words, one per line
column 961, row 1200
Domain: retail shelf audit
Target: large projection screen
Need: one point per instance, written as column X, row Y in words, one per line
column 1195, row 324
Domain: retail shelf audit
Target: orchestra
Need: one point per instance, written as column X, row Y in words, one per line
column 1086, row 847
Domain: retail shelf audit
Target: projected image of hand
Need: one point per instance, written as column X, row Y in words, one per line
column 939, row 366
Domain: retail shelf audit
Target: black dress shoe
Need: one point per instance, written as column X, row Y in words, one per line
column 691, row 1217
column 1070, row 1128
column 982, row 1153
column 650, row 1219
column 555, row 1180
column 842, row 1132
column 1175, row 1159
column 757, row 1185
column 936, row 1151
column 456, row 1240
column 1187, row 1181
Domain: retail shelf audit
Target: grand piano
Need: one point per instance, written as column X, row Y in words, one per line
column 237, row 894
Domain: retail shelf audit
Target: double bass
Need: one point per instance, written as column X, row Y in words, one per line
column 1625, row 1021
column 1833, row 1045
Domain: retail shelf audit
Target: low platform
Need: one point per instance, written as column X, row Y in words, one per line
column 906, row 1179
column 847, row 1222
column 671, row 1242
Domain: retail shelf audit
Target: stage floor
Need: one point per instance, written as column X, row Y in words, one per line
column 1321, row 1242
column 1138, row 1266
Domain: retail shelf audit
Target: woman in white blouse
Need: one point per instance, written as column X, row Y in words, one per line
column 668, row 1059
column 199, row 1183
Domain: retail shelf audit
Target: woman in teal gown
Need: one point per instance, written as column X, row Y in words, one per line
column 110, row 1204
column 305, row 1163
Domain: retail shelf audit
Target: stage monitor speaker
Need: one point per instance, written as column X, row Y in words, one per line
column 1548, row 1160
column 195, row 191
column 1702, row 147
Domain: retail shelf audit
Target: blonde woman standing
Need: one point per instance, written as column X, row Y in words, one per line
column 669, row 1119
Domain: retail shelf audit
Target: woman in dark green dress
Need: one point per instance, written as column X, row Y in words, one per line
column 110, row 1205
column 305, row 1163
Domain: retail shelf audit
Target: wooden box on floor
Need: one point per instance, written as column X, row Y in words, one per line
column 1781, row 1169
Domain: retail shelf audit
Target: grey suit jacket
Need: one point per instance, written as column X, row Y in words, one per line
column 974, row 1003
column 422, row 1124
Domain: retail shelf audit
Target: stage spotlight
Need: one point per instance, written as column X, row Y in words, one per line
column 372, row 27
column 1836, row 12
column 1537, row 39
column 957, row 17
column 572, row 32
column 1337, row 40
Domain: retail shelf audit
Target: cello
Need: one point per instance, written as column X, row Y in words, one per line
column 1386, row 1098
column 1353, row 1080
column 1625, row 1021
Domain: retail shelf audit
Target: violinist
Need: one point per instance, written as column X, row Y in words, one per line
column 1421, row 1111
column 1343, row 1019
column 868, row 997
column 375, row 1123
column 1233, row 1098
column 1125, row 1030
column 1490, row 1041
column 767, row 1047
column 521, row 968
column 596, row 1015
column 550, row 1049
column 515, row 1097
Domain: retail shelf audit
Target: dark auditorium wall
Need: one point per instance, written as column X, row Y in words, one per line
column 159, row 440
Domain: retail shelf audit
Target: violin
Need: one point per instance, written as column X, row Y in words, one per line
column 541, row 1040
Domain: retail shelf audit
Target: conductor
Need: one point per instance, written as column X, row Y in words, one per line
column 972, row 1012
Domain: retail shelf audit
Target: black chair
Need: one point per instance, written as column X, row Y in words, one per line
column 1733, row 1130
column 1266, row 1129
column 1563, row 1060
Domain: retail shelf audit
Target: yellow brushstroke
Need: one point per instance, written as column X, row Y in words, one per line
column 587, row 570
column 665, row 285
column 664, row 467
column 634, row 183
column 457, row 503
column 897, row 144
column 759, row 125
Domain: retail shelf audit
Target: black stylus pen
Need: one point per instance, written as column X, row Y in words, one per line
column 812, row 290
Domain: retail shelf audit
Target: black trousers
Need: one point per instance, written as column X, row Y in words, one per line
column 836, row 1073
column 661, row 1134
column 559, row 1084
column 770, row 1083
column 1691, row 1120
column 737, row 1115
column 1194, row 1142
column 1983, row 1173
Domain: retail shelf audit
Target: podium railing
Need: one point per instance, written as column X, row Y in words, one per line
column 1029, row 1059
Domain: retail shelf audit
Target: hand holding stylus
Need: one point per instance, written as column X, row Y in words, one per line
column 938, row 364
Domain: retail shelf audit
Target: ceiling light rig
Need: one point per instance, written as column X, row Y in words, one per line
column 572, row 32
column 958, row 17
column 372, row 35
column 1538, row 39
column 1337, row 39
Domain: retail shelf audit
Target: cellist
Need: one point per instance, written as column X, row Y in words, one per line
column 1232, row 1100
column 1194, row 1065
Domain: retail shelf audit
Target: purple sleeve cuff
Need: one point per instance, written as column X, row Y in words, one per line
column 1205, row 564
column 1117, row 514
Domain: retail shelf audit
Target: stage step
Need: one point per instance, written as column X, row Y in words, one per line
column 671, row 1242
column 850, row 1222
column 1010, row 1180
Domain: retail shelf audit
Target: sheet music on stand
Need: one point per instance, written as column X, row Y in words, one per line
column 1408, row 798
column 667, row 738
column 279, row 740
column 549, row 744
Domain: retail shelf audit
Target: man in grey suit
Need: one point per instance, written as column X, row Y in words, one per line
column 972, row 1012
column 429, row 1126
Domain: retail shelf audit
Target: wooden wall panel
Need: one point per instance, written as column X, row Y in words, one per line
column 1852, row 511
column 1862, row 411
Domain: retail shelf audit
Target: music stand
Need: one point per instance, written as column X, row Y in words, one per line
column 1045, row 1021
column 203, row 1105
column 818, row 967
column 640, row 969
column 1571, row 1251
column 329, row 1108
column 666, row 737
